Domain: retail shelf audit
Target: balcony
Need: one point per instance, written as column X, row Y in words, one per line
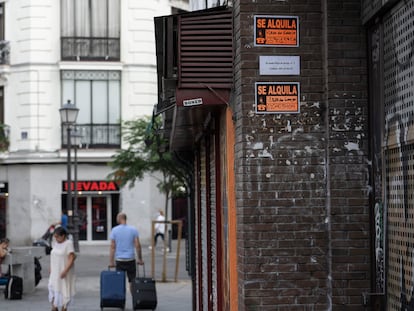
column 90, row 49
column 4, row 52
column 101, row 136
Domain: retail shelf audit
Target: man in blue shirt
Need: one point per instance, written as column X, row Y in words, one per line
column 64, row 221
column 124, row 245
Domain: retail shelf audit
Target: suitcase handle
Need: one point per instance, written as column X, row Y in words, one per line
column 143, row 268
column 9, row 253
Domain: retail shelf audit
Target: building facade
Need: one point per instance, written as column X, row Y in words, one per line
column 100, row 55
column 390, row 29
column 268, row 107
column 301, row 167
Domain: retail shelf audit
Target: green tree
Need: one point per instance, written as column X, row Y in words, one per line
column 146, row 152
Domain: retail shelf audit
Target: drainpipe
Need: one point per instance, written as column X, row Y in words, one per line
column 328, row 219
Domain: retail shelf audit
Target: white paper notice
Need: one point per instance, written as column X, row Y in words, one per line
column 279, row 65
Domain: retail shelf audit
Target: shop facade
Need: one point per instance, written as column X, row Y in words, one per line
column 36, row 198
column 266, row 103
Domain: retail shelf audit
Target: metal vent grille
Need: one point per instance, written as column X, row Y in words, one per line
column 399, row 153
column 206, row 50
column 398, row 75
column 213, row 227
column 400, row 190
column 204, row 230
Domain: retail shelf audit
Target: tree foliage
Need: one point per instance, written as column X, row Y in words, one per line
column 146, row 152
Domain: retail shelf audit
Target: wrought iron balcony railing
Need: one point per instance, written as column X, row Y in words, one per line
column 88, row 48
column 4, row 52
column 95, row 135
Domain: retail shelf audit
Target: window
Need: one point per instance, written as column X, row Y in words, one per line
column 4, row 45
column 97, row 95
column 1, row 104
column 4, row 128
column 3, row 216
column 1, row 21
column 90, row 30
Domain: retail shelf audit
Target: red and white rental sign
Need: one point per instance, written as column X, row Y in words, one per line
column 281, row 31
column 277, row 97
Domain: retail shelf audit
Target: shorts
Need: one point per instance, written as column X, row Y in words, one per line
column 130, row 267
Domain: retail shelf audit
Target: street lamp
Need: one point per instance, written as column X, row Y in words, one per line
column 68, row 115
column 77, row 140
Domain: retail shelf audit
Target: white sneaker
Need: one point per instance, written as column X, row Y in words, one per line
column 150, row 247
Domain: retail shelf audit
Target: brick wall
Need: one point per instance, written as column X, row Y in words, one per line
column 302, row 179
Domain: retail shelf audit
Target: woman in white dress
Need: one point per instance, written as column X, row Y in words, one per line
column 62, row 277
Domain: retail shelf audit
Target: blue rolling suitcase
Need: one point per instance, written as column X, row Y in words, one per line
column 113, row 292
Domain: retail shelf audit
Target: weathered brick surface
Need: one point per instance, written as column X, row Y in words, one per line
column 302, row 179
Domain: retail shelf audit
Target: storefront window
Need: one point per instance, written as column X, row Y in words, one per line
column 3, row 222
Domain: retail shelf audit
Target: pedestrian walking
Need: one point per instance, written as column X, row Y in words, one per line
column 125, row 247
column 159, row 228
column 62, row 277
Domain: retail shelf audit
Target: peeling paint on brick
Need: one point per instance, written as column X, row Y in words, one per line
column 305, row 169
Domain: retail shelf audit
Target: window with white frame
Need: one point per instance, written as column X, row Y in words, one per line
column 90, row 30
column 97, row 94
column 4, row 45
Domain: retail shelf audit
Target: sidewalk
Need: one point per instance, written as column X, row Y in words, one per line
column 93, row 259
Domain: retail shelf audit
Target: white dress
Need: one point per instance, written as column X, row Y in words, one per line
column 61, row 291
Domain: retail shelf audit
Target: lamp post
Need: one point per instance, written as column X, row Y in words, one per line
column 68, row 115
column 77, row 140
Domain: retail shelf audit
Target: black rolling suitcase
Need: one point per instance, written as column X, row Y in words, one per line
column 113, row 291
column 14, row 286
column 144, row 293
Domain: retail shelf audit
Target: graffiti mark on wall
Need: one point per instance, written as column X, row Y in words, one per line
column 379, row 246
column 396, row 128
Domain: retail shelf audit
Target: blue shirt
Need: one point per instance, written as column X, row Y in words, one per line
column 124, row 237
column 64, row 221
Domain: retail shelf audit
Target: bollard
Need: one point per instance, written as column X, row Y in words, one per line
column 169, row 240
